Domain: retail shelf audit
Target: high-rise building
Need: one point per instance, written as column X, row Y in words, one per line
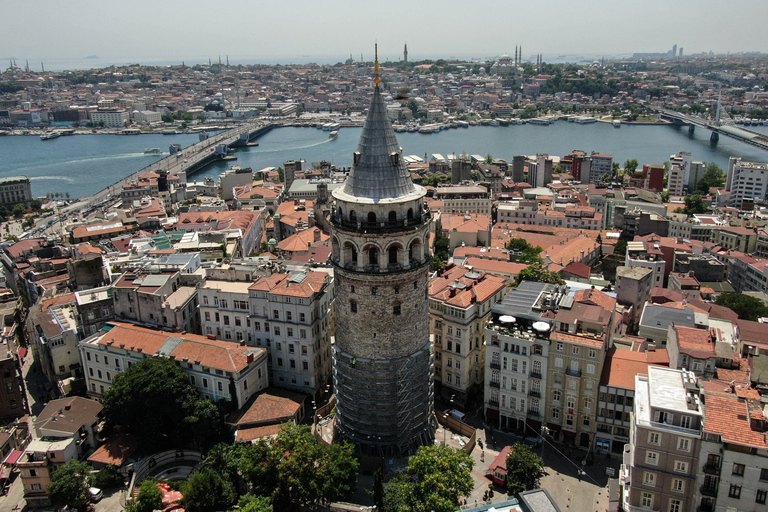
column 679, row 172
column 600, row 165
column 382, row 356
column 405, row 53
column 746, row 181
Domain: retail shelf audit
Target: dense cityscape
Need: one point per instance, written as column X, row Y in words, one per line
column 398, row 332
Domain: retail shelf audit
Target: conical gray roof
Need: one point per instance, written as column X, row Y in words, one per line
column 379, row 171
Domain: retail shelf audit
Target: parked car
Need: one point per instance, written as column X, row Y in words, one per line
column 457, row 415
column 95, row 494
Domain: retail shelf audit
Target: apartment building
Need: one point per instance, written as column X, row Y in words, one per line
column 746, row 181
column 154, row 299
column 662, row 456
column 732, row 473
column 647, row 254
column 292, row 318
column 461, row 199
column 516, row 357
column 111, row 117
column 218, row 370
column 225, row 310
column 578, row 343
column 15, row 190
column 460, row 303
column 617, row 395
column 679, row 171
column 600, row 165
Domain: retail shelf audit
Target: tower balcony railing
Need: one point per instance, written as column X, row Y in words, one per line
column 495, row 385
column 534, row 393
column 496, row 365
column 385, row 226
column 535, row 374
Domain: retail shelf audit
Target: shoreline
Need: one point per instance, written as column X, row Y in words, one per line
column 37, row 132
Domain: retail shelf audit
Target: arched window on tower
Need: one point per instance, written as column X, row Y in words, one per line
column 410, row 213
column 353, row 216
column 353, row 306
column 393, row 255
column 373, row 256
column 340, row 213
column 353, row 255
column 371, row 218
column 393, row 216
column 396, row 308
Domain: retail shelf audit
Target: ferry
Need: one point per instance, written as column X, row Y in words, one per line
column 463, row 124
column 50, row 135
column 333, row 134
column 616, row 123
column 153, row 151
column 329, row 127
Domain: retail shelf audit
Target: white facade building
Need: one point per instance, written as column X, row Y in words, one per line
column 746, row 180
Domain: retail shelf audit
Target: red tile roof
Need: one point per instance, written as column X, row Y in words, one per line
column 621, row 366
column 456, row 289
column 695, row 342
column 273, row 406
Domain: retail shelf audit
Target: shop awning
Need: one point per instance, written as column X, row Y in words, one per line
column 13, row 457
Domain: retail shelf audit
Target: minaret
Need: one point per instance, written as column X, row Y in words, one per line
column 382, row 355
column 405, row 53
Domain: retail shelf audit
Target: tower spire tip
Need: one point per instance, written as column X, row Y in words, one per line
column 376, row 78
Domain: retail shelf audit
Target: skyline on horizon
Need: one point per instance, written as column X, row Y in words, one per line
column 176, row 31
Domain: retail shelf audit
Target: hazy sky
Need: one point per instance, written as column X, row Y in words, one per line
column 329, row 30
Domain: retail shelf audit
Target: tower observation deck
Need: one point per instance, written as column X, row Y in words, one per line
column 382, row 357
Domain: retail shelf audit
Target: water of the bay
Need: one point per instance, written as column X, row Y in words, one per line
column 84, row 164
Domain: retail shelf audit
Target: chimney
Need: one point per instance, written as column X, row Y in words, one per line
column 249, row 358
column 242, row 343
column 317, row 235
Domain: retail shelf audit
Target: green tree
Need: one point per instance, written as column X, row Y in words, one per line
column 713, row 177
column 207, row 491
column 251, row 503
column 172, row 412
column 19, row 211
column 620, row 248
column 150, row 498
column 693, row 204
column 630, row 165
column 35, row 205
column 441, row 475
column 27, row 223
column 107, row 477
column 378, row 489
column 187, row 116
column 747, row 307
column 281, row 174
column 489, row 158
column 538, row 273
column 69, row 484
column 528, row 254
column 524, row 469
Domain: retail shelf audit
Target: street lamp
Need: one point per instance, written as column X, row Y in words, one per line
column 445, row 418
column 544, row 431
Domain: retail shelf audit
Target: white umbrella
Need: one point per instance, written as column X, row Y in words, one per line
column 507, row 319
column 541, row 326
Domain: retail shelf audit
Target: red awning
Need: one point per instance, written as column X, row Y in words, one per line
column 22, row 352
column 13, row 457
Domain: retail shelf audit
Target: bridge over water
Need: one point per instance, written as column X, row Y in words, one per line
column 193, row 158
column 727, row 128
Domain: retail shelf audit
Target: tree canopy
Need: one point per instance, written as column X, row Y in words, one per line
column 172, row 412
column 293, row 471
column 69, row 484
column 693, row 204
column 150, row 498
column 435, row 478
column 538, row 273
column 528, row 253
column 713, row 177
column 524, row 469
column 747, row 307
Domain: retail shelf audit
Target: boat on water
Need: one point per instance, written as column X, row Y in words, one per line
column 463, row 124
column 616, row 123
column 153, row 151
column 329, row 127
column 333, row 134
column 50, row 135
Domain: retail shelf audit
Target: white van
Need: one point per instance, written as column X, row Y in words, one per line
column 457, row 415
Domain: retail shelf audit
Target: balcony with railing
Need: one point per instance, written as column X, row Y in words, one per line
column 573, row 373
column 708, row 490
column 495, row 385
column 493, row 403
column 711, row 469
column 534, row 413
column 383, row 226
column 535, row 374
column 496, row 365
column 534, row 393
